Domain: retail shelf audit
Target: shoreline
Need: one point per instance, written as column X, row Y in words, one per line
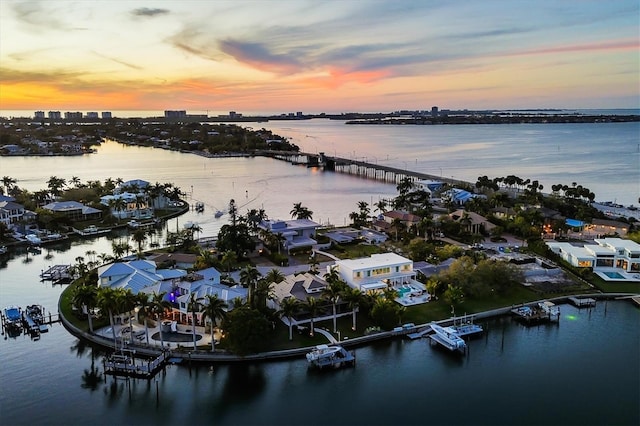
column 208, row 357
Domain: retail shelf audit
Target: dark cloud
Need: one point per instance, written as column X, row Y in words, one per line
column 149, row 12
column 259, row 55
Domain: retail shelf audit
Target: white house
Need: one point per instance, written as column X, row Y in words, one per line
column 607, row 253
column 11, row 212
column 297, row 233
column 377, row 272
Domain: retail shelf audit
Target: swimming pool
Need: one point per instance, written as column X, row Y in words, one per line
column 402, row 291
column 614, row 275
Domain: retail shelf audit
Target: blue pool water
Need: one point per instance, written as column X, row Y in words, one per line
column 614, row 275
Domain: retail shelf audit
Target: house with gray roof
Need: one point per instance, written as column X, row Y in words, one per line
column 74, row 210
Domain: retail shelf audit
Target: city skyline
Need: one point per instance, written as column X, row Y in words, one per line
column 282, row 56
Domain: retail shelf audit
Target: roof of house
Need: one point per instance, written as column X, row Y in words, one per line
column 375, row 260
column 66, row 206
column 475, row 218
column 613, row 223
column 402, row 215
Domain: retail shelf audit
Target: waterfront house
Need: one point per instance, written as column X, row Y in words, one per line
column 202, row 283
column 296, row 234
column 299, row 286
column 472, row 222
column 606, row 255
column 11, row 212
column 138, row 276
column 74, row 210
column 607, row 227
column 387, row 220
column 377, row 272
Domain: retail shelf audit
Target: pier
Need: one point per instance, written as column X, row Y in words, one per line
column 127, row 365
column 356, row 167
column 59, row 274
column 582, row 302
column 536, row 314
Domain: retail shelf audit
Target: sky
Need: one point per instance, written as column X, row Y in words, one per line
column 274, row 56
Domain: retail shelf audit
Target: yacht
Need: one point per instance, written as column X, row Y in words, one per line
column 448, row 338
column 330, row 356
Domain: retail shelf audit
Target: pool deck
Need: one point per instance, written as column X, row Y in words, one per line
column 618, row 275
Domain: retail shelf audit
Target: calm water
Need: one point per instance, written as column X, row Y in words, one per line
column 584, row 371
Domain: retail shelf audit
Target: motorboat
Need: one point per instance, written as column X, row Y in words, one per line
column 330, row 356
column 33, row 239
column 321, row 352
column 448, row 338
column 133, row 224
column 219, row 213
column 12, row 317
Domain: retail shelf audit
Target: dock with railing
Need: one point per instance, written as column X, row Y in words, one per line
column 124, row 363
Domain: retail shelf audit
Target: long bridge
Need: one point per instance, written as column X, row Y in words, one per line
column 356, row 167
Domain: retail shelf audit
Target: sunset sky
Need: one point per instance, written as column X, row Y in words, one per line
column 318, row 56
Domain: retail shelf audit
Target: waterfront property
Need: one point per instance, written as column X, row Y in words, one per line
column 73, row 210
column 611, row 258
column 297, row 234
column 382, row 271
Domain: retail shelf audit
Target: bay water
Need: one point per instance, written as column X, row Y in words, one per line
column 586, row 370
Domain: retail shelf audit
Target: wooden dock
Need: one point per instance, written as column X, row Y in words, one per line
column 535, row 314
column 582, row 302
column 127, row 365
column 56, row 273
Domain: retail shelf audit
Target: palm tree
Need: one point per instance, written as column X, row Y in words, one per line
column 8, row 183
column 249, row 278
column 274, row 276
column 263, row 291
column 353, row 296
column 107, row 300
column 158, row 307
column 288, row 308
column 145, row 309
column 332, row 293
column 229, row 257
column 128, row 302
column 139, row 237
column 214, row 309
column 194, row 306
column 311, row 305
column 85, row 297
column 300, row 212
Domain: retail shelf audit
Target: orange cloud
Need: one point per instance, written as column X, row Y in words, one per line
column 632, row 44
column 336, row 77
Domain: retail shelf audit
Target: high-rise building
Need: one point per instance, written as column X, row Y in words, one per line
column 106, row 115
column 39, row 115
column 92, row 114
column 54, row 115
column 175, row 114
column 72, row 115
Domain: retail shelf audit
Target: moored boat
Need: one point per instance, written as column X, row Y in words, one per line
column 330, row 356
column 448, row 338
column 219, row 213
column 12, row 317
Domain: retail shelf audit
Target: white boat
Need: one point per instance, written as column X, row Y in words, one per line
column 33, row 239
column 133, row 224
column 3, row 250
column 321, row 352
column 448, row 338
column 330, row 356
